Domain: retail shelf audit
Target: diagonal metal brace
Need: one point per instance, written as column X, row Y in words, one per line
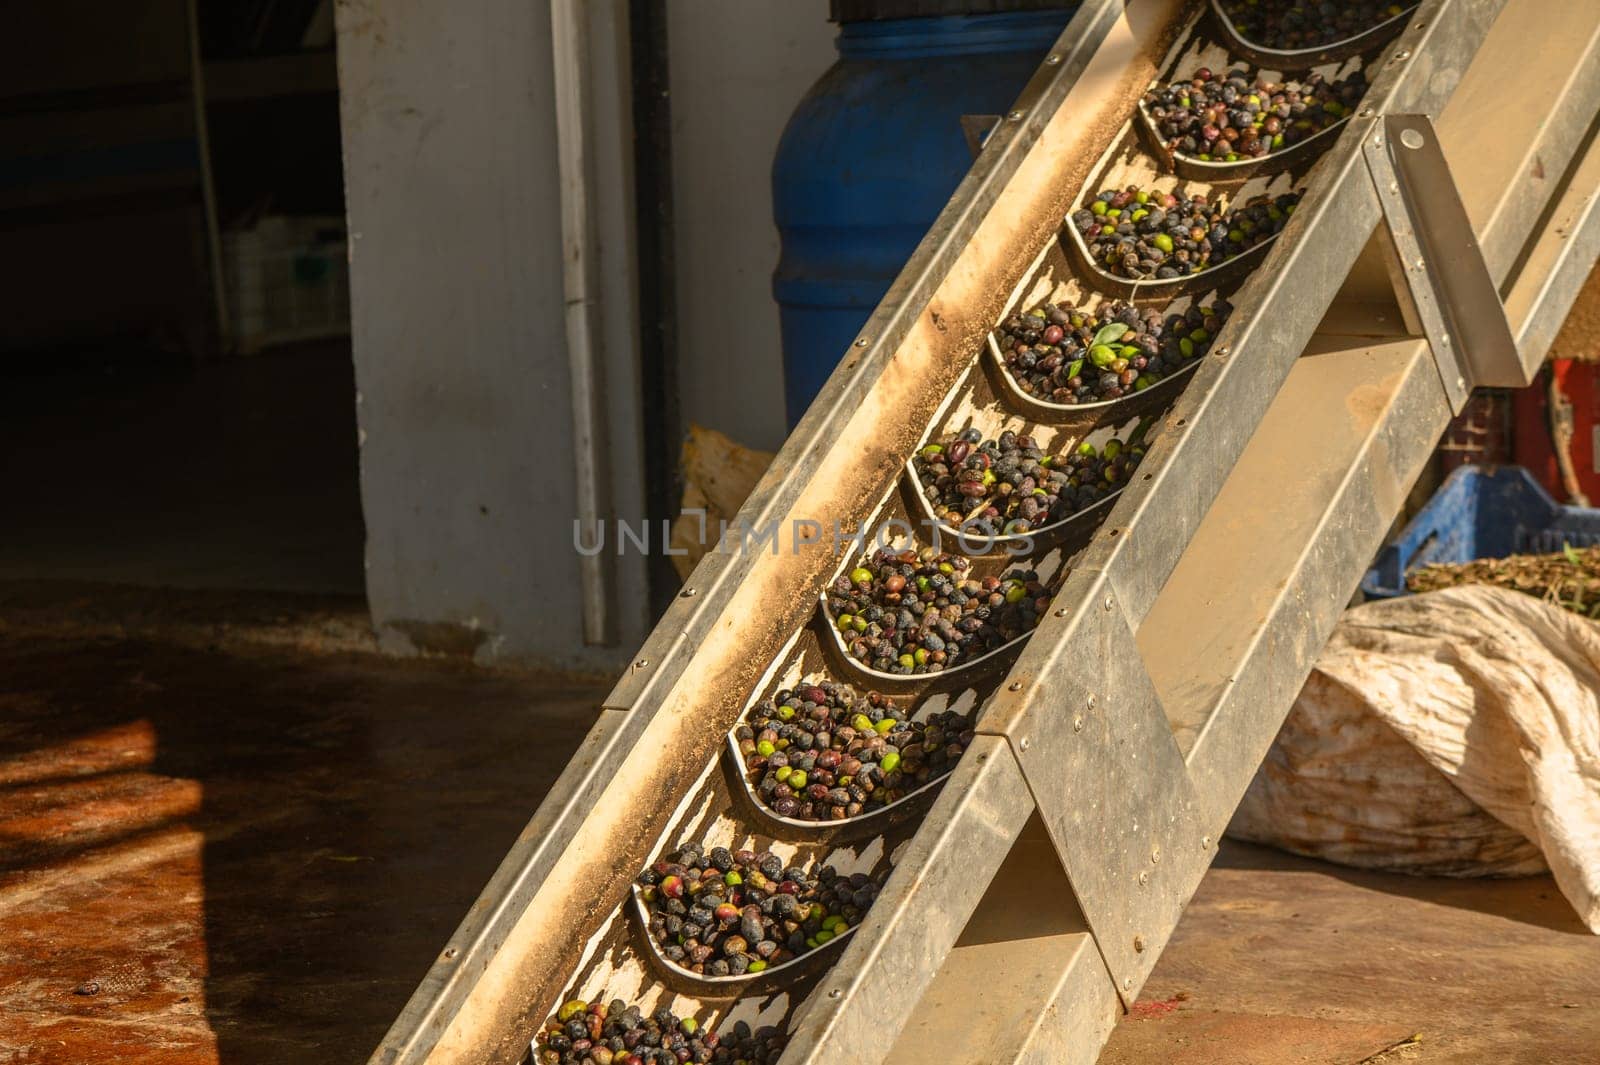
column 1437, row 267
column 1098, row 755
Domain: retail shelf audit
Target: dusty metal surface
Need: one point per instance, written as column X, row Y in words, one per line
column 1271, row 481
column 1002, row 993
column 1438, row 262
column 691, row 676
column 1125, row 805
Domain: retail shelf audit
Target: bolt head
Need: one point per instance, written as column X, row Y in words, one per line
column 1014, row 686
column 1138, row 944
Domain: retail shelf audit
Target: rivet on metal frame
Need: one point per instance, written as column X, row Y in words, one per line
column 863, row 342
column 1411, row 139
column 1077, row 723
column 689, row 593
column 1108, row 602
column 1138, row 944
column 1025, row 743
column 1015, row 116
column 1014, row 686
column 1051, row 60
column 641, row 663
column 1155, row 855
column 834, row 993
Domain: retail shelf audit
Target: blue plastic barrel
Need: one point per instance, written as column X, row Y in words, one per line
column 871, row 156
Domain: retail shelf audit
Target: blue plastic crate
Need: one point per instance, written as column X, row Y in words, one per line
column 1481, row 512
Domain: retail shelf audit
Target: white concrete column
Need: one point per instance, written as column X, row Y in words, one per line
column 456, row 289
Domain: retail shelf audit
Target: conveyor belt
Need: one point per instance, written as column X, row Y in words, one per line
column 1024, row 898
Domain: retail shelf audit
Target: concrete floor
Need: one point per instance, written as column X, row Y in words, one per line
column 229, row 834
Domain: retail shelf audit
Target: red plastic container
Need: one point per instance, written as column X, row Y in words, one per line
column 1534, row 448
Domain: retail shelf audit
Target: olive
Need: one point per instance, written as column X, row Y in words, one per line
column 1296, row 24
column 623, row 1036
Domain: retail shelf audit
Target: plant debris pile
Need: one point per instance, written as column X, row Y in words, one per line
column 1569, row 578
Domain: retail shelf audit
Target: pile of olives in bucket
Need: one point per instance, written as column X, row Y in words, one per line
column 728, row 913
column 1067, row 355
column 1009, row 486
column 1232, row 117
column 1139, row 235
column 821, row 752
column 595, row 1033
column 1291, row 25
column 920, row 612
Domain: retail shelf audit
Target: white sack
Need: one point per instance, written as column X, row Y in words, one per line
column 1453, row 733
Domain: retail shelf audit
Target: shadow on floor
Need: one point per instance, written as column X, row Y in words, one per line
column 240, row 474
column 1530, row 900
column 246, row 858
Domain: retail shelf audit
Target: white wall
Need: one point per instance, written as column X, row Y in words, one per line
column 467, row 476
column 450, row 169
column 738, row 68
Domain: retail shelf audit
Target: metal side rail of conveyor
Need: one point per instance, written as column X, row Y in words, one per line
column 1442, row 231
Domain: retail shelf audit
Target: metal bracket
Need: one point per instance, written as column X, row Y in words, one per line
column 1439, row 274
column 1110, row 783
column 976, row 130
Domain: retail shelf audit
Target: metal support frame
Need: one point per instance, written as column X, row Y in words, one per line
column 1111, row 757
column 1436, row 263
